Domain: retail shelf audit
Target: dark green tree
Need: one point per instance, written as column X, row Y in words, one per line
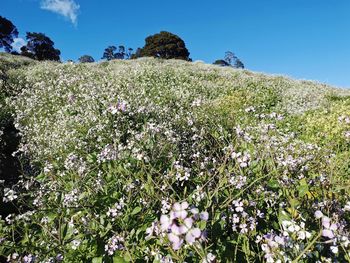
column 40, row 47
column 109, row 53
column 121, row 52
column 7, row 34
column 86, row 59
column 129, row 53
column 137, row 54
column 221, row 62
column 230, row 60
column 230, row 57
column 238, row 64
column 165, row 45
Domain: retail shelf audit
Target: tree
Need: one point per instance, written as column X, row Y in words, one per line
column 238, row 64
column 165, row 45
column 86, row 59
column 7, row 34
column 40, row 47
column 230, row 57
column 110, row 53
column 221, row 62
column 137, row 54
column 121, row 53
column 230, row 60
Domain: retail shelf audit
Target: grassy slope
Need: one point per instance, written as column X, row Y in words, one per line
column 150, row 123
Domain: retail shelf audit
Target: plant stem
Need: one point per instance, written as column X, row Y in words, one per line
column 296, row 260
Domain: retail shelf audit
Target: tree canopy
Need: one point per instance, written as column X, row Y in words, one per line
column 230, row 60
column 165, row 45
column 7, row 34
column 221, row 62
column 40, row 47
column 86, row 59
column 112, row 52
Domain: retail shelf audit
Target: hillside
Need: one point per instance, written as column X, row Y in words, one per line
column 172, row 161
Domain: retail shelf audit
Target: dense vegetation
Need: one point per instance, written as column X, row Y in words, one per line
column 170, row 161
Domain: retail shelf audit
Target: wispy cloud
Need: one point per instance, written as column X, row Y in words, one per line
column 66, row 8
column 18, row 43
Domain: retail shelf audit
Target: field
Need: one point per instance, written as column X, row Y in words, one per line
column 168, row 161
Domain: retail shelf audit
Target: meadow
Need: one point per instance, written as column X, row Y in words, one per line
column 153, row 160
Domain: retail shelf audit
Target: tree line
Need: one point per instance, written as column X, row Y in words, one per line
column 163, row 45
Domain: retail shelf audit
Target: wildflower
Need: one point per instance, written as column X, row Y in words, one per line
column 204, row 216
column 180, row 226
column 334, row 249
column 59, row 257
column 75, row 244
column 347, row 206
column 328, row 228
column 119, row 107
column 192, row 235
column 113, row 244
column 180, row 210
column 28, row 258
column 238, row 205
column 210, row 258
column 175, row 240
column 9, row 195
column 318, row 214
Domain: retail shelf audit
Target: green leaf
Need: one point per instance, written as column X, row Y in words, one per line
column 303, row 188
column 97, row 260
column 136, row 210
column 294, row 202
column 118, row 259
column 273, row 184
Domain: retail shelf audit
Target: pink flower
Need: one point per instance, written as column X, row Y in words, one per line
column 180, row 210
column 165, row 222
column 327, row 233
column 192, row 235
column 204, row 216
column 175, row 241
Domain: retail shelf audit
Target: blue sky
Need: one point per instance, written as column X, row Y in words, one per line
column 305, row 39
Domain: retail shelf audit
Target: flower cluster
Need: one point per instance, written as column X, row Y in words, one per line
column 9, row 195
column 180, row 224
column 113, row 244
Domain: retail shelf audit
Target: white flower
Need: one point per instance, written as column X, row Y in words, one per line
column 165, row 222
column 204, row 216
column 192, row 235
column 75, row 244
column 180, row 210
column 347, row 206
column 175, row 240
column 318, row 214
column 9, row 195
column 303, row 234
column 334, row 249
column 209, row 258
column 327, row 233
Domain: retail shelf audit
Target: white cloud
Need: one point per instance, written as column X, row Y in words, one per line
column 66, row 8
column 18, row 43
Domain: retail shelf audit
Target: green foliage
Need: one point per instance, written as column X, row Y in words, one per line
column 221, row 62
column 8, row 32
column 230, row 60
column 40, row 47
column 165, row 45
column 86, row 59
column 112, row 52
